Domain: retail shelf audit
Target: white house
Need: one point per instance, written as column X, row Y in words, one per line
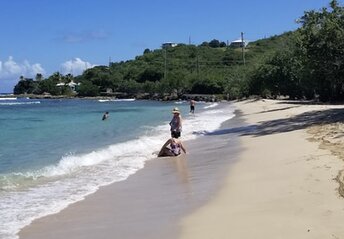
column 239, row 43
column 168, row 44
column 72, row 85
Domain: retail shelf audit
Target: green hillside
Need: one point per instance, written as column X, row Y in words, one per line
column 307, row 63
column 186, row 69
column 176, row 70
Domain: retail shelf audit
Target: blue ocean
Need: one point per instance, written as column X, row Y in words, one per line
column 54, row 152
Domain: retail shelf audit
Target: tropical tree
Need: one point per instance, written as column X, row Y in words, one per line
column 25, row 86
column 87, row 88
column 49, row 86
column 322, row 46
column 214, row 43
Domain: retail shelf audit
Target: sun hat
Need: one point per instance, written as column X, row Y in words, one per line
column 175, row 110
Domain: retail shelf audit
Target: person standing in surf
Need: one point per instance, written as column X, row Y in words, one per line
column 192, row 106
column 176, row 124
column 105, row 116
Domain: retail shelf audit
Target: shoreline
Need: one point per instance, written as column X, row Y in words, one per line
column 149, row 203
column 273, row 171
column 120, row 96
column 285, row 183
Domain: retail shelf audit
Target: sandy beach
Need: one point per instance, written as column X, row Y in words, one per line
column 150, row 203
column 272, row 172
column 286, row 181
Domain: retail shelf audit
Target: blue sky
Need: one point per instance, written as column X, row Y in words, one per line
column 45, row 36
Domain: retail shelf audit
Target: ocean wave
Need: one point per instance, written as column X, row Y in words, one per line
column 26, row 196
column 8, row 98
column 53, row 188
column 20, row 103
column 212, row 105
column 75, row 165
column 180, row 102
column 115, row 100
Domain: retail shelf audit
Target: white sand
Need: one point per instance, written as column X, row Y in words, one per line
column 283, row 186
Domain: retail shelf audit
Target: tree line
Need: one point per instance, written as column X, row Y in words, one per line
column 303, row 64
column 311, row 63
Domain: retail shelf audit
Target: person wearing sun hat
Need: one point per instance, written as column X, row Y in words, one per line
column 176, row 123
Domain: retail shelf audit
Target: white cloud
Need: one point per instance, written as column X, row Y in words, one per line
column 75, row 66
column 10, row 71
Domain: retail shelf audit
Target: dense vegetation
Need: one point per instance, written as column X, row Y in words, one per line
column 304, row 64
column 311, row 64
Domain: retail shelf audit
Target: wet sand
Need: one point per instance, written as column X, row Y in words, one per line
column 279, row 175
column 150, row 203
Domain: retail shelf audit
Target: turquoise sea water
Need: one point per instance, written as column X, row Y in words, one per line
column 55, row 152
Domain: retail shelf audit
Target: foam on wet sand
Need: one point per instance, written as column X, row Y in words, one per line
column 275, row 176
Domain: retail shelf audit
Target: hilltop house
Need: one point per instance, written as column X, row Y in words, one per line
column 72, row 85
column 239, row 43
column 168, row 45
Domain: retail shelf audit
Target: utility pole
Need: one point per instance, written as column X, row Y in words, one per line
column 110, row 64
column 243, row 47
column 197, row 67
column 165, row 71
column 197, row 64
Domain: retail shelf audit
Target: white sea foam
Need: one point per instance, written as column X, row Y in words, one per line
column 119, row 100
column 76, row 176
column 180, row 102
column 20, row 103
column 211, row 105
column 8, row 98
column 115, row 100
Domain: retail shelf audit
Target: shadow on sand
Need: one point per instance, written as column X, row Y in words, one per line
column 297, row 122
